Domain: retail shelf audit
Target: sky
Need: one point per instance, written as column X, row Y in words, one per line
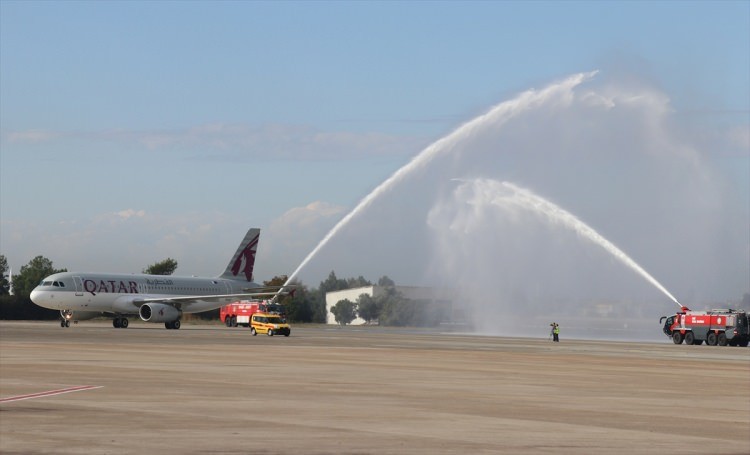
column 135, row 131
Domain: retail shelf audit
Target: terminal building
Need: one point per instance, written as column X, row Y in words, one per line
column 438, row 300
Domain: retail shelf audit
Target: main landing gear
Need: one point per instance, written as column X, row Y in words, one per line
column 120, row 323
column 64, row 323
column 172, row 325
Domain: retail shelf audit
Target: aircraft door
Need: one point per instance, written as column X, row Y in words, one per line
column 79, row 285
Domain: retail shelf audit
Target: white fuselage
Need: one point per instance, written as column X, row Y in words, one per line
column 123, row 294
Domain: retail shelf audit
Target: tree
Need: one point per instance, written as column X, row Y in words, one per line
column 344, row 311
column 332, row 284
column 296, row 307
column 4, row 277
column 278, row 280
column 395, row 309
column 21, row 308
column 368, row 308
column 165, row 267
column 300, row 307
column 31, row 274
column 357, row 282
column 318, row 305
column 745, row 302
column 386, row 282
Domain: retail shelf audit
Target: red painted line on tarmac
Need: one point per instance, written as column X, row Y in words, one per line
column 49, row 393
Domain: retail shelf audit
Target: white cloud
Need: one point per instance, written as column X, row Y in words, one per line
column 127, row 241
column 293, row 235
column 740, row 138
column 234, row 142
column 33, row 136
column 125, row 214
column 305, row 217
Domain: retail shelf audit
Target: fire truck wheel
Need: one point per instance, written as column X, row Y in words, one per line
column 252, row 330
column 689, row 338
column 124, row 323
column 722, row 339
column 228, row 321
column 711, row 339
column 677, row 338
column 270, row 332
column 234, row 321
column 743, row 343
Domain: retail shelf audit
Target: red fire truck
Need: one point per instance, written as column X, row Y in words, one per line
column 715, row 327
column 239, row 313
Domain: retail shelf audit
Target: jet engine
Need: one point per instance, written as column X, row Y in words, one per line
column 159, row 312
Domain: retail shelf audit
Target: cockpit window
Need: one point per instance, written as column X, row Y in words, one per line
column 46, row 283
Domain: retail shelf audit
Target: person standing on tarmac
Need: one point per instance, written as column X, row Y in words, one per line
column 555, row 332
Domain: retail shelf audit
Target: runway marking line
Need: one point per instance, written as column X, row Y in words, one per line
column 49, row 393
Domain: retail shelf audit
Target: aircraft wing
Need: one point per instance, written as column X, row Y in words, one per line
column 179, row 300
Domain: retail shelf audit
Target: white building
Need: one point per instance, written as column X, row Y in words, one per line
column 439, row 297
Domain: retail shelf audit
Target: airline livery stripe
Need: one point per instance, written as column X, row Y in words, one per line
column 49, row 393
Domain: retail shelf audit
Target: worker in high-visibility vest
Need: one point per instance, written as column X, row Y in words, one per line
column 555, row 331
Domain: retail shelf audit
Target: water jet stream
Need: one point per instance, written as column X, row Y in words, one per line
column 495, row 117
column 526, row 199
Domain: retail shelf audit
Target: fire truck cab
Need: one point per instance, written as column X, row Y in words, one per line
column 716, row 327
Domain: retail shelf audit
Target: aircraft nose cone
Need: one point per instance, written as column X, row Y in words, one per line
column 35, row 294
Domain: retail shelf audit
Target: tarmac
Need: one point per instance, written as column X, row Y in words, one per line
column 206, row 388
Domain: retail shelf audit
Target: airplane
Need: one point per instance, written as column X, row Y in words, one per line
column 154, row 298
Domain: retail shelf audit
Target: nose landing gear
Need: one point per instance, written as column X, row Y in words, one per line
column 65, row 317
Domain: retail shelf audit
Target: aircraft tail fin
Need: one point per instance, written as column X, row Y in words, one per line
column 242, row 263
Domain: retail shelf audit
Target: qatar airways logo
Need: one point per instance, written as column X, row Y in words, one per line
column 110, row 286
column 248, row 254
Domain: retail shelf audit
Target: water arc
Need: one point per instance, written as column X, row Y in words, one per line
column 496, row 116
column 505, row 194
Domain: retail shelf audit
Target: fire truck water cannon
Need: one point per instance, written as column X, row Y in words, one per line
column 716, row 327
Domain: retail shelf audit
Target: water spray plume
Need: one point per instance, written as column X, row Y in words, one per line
column 530, row 201
column 495, row 117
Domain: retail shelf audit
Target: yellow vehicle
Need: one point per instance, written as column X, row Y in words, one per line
column 270, row 324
